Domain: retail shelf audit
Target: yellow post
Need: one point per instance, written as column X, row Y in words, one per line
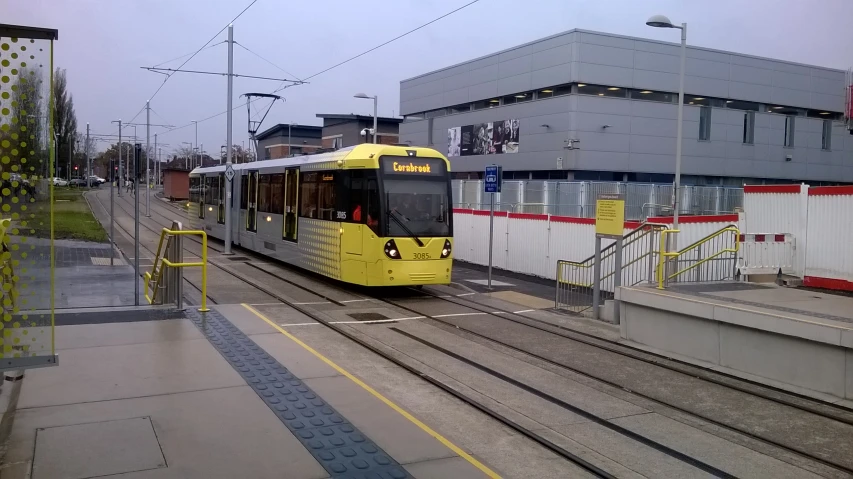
column 204, row 307
column 662, row 255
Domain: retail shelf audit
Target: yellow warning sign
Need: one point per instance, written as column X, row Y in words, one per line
column 610, row 215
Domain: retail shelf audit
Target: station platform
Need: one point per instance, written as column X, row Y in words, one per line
column 795, row 339
column 224, row 394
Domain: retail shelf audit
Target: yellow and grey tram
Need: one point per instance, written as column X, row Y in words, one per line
column 373, row 215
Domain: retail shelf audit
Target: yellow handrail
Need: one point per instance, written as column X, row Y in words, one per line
column 166, row 262
column 663, row 254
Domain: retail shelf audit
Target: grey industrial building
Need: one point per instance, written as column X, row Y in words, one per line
column 585, row 105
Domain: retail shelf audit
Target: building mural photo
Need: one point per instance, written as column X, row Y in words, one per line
column 492, row 138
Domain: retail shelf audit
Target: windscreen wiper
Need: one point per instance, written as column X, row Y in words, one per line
column 405, row 228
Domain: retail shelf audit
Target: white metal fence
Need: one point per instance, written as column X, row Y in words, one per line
column 577, row 198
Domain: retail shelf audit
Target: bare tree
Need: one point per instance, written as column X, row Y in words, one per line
column 64, row 119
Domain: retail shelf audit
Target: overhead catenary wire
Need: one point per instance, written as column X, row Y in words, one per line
column 196, row 53
column 333, row 66
column 188, row 54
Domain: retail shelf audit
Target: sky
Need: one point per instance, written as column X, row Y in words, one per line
column 103, row 43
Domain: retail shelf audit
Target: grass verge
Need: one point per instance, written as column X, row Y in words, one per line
column 72, row 218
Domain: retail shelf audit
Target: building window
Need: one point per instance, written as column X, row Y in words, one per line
column 742, row 105
column 702, row 101
column 460, row 108
column 749, row 127
column 653, row 96
column 826, row 138
column 338, row 142
column 705, row 123
column 482, row 104
column 435, row 113
column 789, row 131
column 414, row 116
column 517, row 98
column 267, row 154
column 600, row 90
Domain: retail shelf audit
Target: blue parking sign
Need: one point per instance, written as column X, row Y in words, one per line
column 492, row 179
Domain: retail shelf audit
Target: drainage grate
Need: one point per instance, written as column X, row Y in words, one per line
column 238, row 258
column 336, row 444
column 106, row 261
column 367, row 316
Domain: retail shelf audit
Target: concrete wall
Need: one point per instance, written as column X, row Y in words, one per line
column 607, row 59
column 802, row 356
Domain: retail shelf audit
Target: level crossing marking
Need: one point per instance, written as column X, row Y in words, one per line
column 466, row 294
column 353, row 300
column 456, row 314
column 372, row 321
column 453, row 447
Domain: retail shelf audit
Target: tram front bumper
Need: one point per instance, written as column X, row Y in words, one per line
column 414, row 272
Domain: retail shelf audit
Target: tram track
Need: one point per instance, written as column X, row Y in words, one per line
column 789, row 446
column 544, row 326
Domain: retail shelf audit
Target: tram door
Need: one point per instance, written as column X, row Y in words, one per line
column 291, row 198
column 220, row 214
column 202, row 192
column 252, row 206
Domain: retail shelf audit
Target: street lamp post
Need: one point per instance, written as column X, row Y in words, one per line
column 187, row 158
column 196, row 138
column 660, row 21
column 375, row 99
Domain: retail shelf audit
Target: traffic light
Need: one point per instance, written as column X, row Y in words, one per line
column 75, row 167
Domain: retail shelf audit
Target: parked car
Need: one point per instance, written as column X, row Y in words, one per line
column 97, row 179
column 59, row 182
column 80, row 182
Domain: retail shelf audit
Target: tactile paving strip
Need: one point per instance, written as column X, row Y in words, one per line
column 336, row 444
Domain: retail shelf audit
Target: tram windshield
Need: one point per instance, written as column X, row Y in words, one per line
column 417, row 204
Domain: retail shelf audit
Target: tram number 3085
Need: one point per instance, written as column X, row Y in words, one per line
column 422, row 256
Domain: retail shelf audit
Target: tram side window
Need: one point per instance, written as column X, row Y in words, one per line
column 371, row 195
column 277, row 194
column 244, row 192
column 326, row 196
column 210, row 187
column 308, row 190
column 351, row 197
column 264, row 194
column 194, row 189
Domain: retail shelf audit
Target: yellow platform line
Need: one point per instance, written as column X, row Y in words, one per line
column 453, row 447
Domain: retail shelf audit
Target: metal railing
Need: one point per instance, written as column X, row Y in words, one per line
column 577, row 198
column 581, row 286
column 168, row 264
column 712, row 258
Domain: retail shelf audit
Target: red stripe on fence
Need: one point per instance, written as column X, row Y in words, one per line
column 486, row 213
column 759, row 238
column 779, row 238
column 696, row 219
column 771, row 188
column 463, row 211
column 571, row 219
column 831, row 191
column 528, row 216
column 828, row 283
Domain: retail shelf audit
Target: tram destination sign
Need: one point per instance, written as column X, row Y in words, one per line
column 414, row 166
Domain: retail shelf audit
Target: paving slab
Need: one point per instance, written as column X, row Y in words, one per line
column 218, row 433
column 294, row 357
column 244, row 319
column 117, row 334
column 96, row 449
column 125, row 371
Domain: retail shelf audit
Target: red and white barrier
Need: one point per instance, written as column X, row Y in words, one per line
column 829, row 259
column 766, row 253
column 532, row 243
column 778, row 209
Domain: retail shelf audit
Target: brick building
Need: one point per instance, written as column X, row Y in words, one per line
column 344, row 130
column 283, row 139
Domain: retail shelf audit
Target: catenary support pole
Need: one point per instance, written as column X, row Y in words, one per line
column 147, row 158
column 228, row 178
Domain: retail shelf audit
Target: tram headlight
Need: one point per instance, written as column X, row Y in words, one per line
column 391, row 250
column 445, row 252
